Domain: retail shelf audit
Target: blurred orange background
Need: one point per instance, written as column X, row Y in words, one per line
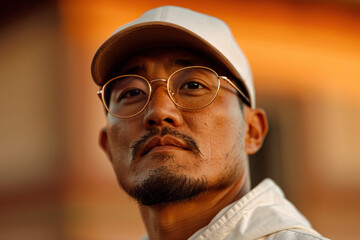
column 56, row 183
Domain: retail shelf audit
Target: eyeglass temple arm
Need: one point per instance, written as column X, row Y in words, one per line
column 99, row 93
column 232, row 84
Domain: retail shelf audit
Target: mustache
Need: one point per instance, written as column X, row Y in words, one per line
column 189, row 141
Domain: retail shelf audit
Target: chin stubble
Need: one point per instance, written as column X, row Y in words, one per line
column 163, row 187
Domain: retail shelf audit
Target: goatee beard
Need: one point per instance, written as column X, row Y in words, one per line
column 165, row 184
column 162, row 187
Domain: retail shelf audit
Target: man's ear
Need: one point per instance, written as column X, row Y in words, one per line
column 103, row 141
column 256, row 129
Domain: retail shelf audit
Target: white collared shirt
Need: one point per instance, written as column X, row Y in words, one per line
column 264, row 214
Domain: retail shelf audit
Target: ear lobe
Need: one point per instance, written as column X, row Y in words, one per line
column 256, row 129
column 103, row 142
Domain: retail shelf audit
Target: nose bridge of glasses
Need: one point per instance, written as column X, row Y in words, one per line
column 158, row 80
column 155, row 83
column 160, row 95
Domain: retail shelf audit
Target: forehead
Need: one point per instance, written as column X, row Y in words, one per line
column 166, row 56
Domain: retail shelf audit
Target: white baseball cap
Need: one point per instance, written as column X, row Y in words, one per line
column 174, row 26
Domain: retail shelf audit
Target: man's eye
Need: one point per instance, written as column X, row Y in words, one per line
column 132, row 93
column 192, row 85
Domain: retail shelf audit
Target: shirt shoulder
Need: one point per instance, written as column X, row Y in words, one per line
column 293, row 234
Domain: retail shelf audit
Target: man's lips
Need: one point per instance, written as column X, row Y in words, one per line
column 162, row 141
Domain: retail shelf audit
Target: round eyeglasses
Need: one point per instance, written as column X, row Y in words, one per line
column 190, row 88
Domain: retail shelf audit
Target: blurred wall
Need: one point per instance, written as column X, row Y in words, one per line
column 55, row 183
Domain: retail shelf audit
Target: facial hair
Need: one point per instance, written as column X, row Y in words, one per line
column 189, row 141
column 164, row 185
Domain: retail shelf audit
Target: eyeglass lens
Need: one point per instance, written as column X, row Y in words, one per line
column 189, row 88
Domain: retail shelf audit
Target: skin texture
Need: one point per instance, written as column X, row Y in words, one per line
column 204, row 177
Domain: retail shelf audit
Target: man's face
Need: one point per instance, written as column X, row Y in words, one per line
column 166, row 154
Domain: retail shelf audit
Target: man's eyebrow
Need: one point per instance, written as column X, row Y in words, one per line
column 185, row 63
column 136, row 69
column 131, row 70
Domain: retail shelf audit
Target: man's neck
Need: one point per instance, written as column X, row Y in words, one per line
column 178, row 221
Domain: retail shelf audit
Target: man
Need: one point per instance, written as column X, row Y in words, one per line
column 181, row 120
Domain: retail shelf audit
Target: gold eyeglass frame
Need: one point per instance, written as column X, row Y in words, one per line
column 101, row 95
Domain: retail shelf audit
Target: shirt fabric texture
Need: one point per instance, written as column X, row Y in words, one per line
column 263, row 213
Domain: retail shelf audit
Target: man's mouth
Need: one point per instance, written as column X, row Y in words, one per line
column 163, row 143
column 165, row 139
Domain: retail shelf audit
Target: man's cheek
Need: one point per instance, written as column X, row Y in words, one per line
column 118, row 146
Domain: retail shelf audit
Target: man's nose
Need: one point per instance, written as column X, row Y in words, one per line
column 161, row 110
